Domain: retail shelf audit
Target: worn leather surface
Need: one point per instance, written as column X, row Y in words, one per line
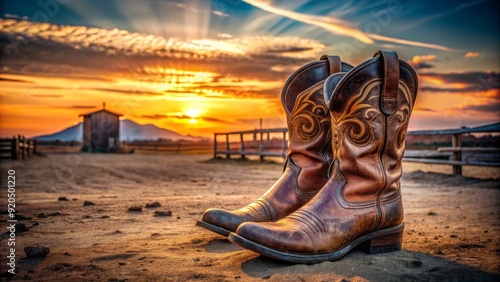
column 309, row 155
column 363, row 193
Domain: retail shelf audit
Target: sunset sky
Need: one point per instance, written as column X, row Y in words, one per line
column 198, row 67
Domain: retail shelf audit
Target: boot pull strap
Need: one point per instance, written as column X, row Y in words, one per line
column 334, row 62
column 390, row 82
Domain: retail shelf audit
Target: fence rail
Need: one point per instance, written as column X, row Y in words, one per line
column 456, row 148
column 262, row 138
column 17, row 147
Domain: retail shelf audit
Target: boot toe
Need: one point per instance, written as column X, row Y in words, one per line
column 222, row 218
column 278, row 236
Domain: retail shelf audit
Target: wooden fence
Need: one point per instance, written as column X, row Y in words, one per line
column 17, row 147
column 262, row 139
column 260, row 144
column 456, row 147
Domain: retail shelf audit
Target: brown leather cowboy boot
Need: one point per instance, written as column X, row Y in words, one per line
column 360, row 205
column 309, row 151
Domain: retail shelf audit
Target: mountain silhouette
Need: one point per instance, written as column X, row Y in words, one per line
column 129, row 130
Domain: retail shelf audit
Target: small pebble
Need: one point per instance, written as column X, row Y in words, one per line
column 88, row 203
column 135, row 209
column 21, row 228
column 153, row 205
column 163, row 213
column 36, row 251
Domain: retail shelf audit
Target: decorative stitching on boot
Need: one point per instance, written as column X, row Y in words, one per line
column 307, row 115
column 268, row 207
column 316, row 219
column 311, row 220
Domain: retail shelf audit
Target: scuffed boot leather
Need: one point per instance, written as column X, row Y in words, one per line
column 309, row 151
column 360, row 205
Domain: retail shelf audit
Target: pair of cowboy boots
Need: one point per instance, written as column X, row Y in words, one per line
column 341, row 185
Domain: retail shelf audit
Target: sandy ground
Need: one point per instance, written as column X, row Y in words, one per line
column 452, row 223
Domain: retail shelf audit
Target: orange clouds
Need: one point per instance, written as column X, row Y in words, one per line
column 423, row 58
column 471, row 54
column 116, row 41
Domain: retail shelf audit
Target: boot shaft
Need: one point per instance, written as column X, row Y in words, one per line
column 308, row 121
column 370, row 109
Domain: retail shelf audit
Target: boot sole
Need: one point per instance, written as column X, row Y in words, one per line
column 381, row 241
column 213, row 228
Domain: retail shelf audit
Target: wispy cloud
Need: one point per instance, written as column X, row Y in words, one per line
column 409, row 42
column 220, row 13
column 420, row 62
column 122, row 42
column 46, row 96
column 126, row 91
column 339, row 26
column 471, row 54
column 80, row 107
column 14, row 80
column 439, row 14
column 426, row 110
column 334, row 25
column 422, row 66
column 488, row 108
column 183, row 116
column 423, row 58
column 488, row 80
column 465, row 89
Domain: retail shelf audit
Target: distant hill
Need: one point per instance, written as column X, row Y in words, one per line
column 129, row 130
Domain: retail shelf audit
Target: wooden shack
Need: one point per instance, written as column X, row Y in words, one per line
column 101, row 131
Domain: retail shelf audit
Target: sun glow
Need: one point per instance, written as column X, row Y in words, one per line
column 194, row 114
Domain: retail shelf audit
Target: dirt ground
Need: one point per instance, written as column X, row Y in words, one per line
column 452, row 223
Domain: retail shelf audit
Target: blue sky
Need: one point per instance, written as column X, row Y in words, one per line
column 244, row 50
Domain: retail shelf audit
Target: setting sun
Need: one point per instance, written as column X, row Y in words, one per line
column 194, row 114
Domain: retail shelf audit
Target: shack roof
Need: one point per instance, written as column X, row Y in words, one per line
column 102, row 110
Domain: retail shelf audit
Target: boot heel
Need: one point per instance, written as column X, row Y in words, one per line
column 384, row 243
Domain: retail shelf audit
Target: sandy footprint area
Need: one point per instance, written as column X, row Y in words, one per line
column 452, row 223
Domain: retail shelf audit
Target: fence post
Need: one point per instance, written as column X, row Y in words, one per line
column 456, row 141
column 215, row 146
column 14, row 148
column 261, row 147
column 28, row 147
column 268, row 144
column 242, row 145
column 23, row 144
column 34, row 146
column 227, row 146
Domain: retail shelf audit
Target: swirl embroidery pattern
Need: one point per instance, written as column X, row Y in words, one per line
column 402, row 116
column 307, row 117
column 356, row 119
